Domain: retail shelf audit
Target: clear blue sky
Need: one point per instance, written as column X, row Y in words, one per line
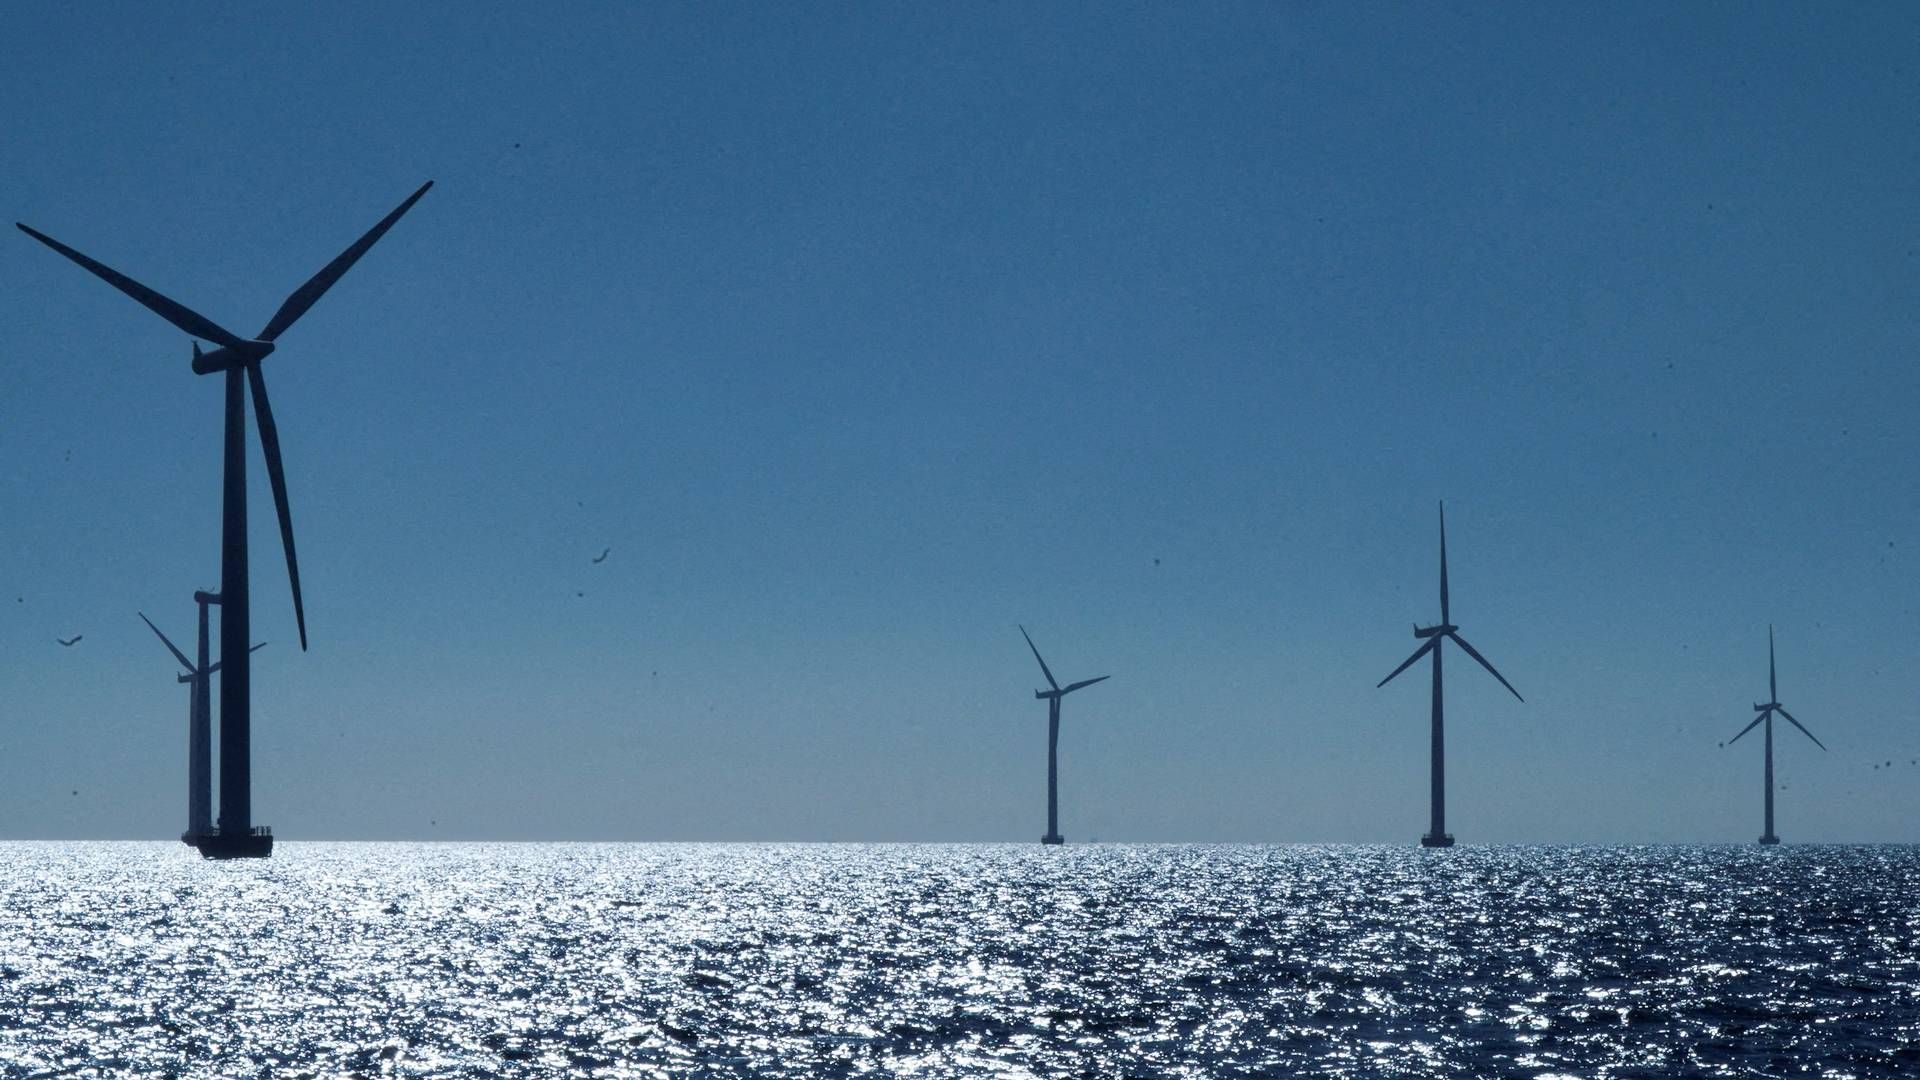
column 862, row 334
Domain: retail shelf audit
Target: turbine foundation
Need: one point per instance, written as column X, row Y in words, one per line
column 1443, row 840
column 256, row 843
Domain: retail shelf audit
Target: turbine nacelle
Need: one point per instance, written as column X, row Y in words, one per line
column 1764, row 708
column 227, row 356
column 1434, row 631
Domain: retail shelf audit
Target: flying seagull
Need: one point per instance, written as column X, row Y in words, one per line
column 602, row 557
column 70, row 642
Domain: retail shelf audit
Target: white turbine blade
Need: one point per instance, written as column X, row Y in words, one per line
column 306, row 295
column 177, row 654
column 180, row 315
column 1408, row 662
column 1462, row 642
column 1802, row 728
column 1773, row 687
column 1744, row 730
column 1036, row 656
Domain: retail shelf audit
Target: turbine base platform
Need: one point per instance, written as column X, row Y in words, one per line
column 1052, row 839
column 252, row 845
column 1443, row 840
column 1769, row 840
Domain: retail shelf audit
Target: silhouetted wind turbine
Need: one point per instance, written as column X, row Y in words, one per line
column 1052, row 698
column 199, row 726
column 1437, row 835
column 240, row 359
column 1766, row 716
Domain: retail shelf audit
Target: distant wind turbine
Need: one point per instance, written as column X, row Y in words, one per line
column 239, row 358
column 199, row 724
column 1766, row 716
column 1437, row 835
column 1052, row 698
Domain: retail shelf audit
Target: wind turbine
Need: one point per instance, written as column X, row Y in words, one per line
column 199, row 725
column 1766, row 715
column 1052, row 698
column 1437, row 835
column 240, row 359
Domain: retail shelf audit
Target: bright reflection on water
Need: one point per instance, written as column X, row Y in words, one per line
column 802, row 960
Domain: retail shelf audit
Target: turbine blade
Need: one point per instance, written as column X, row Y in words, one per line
column 1802, row 728
column 1773, row 689
column 187, row 319
column 258, row 647
column 270, row 445
column 1471, row 651
column 304, row 297
column 1744, row 730
column 1408, row 662
column 1036, row 656
column 1444, row 619
column 177, row 654
column 1071, row 687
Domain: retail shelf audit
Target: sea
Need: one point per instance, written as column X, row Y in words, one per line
column 962, row 960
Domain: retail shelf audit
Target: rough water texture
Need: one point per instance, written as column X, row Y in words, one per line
column 961, row 960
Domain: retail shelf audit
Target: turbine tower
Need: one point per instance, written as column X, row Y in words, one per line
column 239, row 358
column 1766, row 716
column 1052, row 698
column 199, row 725
column 1437, row 835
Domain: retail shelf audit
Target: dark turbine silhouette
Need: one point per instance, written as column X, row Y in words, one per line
column 199, row 724
column 1766, row 716
column 239, row 358
column 1052, row 698
column 1437, row 835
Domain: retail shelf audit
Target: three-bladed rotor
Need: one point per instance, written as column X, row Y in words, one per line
column 1445, row 628
column 1058, row 691
column 1773, row 704
column 192, row 673
column 235, row 351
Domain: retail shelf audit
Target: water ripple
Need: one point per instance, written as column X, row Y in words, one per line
column 1013, row 961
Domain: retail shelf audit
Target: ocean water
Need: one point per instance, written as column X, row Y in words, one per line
column 959, row 960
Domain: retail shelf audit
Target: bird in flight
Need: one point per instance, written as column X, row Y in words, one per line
column 602, row 557
column 69, row 642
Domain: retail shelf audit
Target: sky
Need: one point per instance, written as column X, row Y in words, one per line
column 863, row 334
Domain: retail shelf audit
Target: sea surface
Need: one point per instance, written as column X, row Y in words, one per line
column 959, row 960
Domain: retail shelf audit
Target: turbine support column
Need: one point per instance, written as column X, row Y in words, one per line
column 236, row 789
column 200, row 740
column 1053, row 773
column 1437, row 826
column 1768, row 837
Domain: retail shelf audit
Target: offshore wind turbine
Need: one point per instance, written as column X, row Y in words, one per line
column 1052, row 698
column 1437, row 834
column 1766, row 716
column 199, row 726
column 239, row 358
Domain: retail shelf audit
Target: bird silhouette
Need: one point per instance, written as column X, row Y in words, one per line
column 69, row 642
column 602, row 557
